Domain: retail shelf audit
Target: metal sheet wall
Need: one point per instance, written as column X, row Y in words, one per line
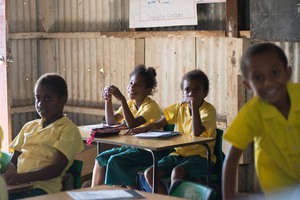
column 68, row 15
column 95, row 15
column 173, row 57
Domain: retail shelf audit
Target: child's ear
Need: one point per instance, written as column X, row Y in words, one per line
column 289, row 72
column 148, row 91
column 247, row 85
column 64, row 99
column 205, row 93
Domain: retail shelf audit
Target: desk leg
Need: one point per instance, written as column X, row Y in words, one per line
column 99, row 150
column 208, row 164
column 154, row 155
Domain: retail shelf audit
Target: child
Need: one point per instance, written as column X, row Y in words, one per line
column 3, row 190
column 45, row 148
column 271, row 119
column 119, row 166
column 192, row 116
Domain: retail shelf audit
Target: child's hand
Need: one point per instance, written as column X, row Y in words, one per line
column 11, row 177
column 114, row 91
column 191, row 101
column 105, row 94
column 135, row 131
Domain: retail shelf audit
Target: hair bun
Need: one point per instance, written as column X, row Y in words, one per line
column 152, row 71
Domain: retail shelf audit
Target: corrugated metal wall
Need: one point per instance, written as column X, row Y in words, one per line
column 68, row 15
column 88, row 64
column 173, row 57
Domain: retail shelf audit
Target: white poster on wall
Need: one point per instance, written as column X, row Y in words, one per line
column 209, row 1
column 158, row 13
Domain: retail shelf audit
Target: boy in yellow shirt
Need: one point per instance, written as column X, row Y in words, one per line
column 192, row 116
column 271, row 119
column 45, row 148
column 3, row 189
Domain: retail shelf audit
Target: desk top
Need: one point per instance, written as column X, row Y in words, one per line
column 65, row 196
column 19, row 187
column 148, row 143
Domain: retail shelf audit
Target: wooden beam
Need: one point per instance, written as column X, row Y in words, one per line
column 232, row 18
column 221, row 124
column 128, row 34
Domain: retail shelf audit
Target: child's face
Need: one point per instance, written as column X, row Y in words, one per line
column 267, row 77
column 194, row 88
column 48, row 104
column 137, row 87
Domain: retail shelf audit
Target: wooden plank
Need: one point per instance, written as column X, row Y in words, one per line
column 5, row 98
column 221, row 124
column 232, row 18
column 235, row 91
column 135, row 34
column 139, row 51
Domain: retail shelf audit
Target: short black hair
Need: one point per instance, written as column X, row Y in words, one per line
column 196, row 74
column 149, row 74
column 54, row 80
column 261, row 48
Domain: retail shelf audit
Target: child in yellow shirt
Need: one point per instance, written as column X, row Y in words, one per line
column 3, row 190
column 119, row 166
column 271, row 119
column 45, row 148
column 192, row 116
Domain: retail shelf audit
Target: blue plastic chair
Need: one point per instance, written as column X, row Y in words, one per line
column 4, row 160
column 191, row 190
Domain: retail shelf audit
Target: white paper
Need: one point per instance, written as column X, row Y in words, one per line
column 158, row 13
column 208, row 1
column 94, row 126
column 156, row 134
column 100, row 194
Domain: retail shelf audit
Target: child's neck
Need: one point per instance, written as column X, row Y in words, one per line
column 285, row 107
column 138, row 102
column 49, row 121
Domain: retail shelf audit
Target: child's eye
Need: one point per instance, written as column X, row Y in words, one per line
column 187, row 90
column 48, row 98
column 275, row 72
column 197, row 90
column 257, row 78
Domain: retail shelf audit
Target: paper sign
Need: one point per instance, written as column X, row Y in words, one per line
column 209, row 1
column 159, row 13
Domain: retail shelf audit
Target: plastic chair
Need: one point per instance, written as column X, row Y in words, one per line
column 4, row 160
column 191, row 190
column 218, row 152
column 216, row 169
column 72, row 179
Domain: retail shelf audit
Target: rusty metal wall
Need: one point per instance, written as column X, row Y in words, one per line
column 68, row 15
column 95, row 15
column 173, row 57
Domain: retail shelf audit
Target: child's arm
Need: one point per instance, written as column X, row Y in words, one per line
column 194, row 105
column 53, row 170
column 131, row 121
column 156, row 125
column 109, row 114
column 12, row 165
column 230, row 171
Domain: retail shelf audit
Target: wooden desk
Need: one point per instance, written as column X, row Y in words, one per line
column 19, row 188
column 155, row 145
column 65, row 196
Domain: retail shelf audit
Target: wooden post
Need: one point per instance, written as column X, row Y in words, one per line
column 5, row 118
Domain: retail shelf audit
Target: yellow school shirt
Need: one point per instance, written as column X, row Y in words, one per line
column 277, row 140
column 3, row 189
column 1, row 138
column 181, row 116
column 149, row 110
column 39, row 145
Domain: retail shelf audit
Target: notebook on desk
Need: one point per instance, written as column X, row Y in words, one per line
column 157, row 134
